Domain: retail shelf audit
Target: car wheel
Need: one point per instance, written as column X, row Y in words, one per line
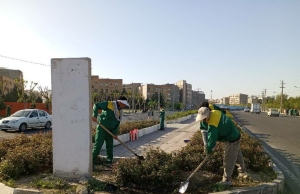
column 23, row 127
column 48, row 125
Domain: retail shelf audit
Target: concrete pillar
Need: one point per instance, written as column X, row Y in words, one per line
column 71, row 117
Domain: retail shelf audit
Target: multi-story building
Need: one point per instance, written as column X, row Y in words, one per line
column 189, row 96
column 11, row 73
column 169, row 91
column 198, row 98
column 225, row 100
column 106, row 85
column 182, row 92
column 238, row 99
column 7, row 84
column 133, row 88
column 252, row 99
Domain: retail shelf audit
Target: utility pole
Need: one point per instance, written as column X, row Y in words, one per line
column 281, row 101
column 211, row 95
column 263, row 101
column 132, row 98
column 173, row 99
column 158, row 98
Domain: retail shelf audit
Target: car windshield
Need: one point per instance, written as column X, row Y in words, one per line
column 21, row 113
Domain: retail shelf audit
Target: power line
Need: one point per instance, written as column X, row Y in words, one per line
column 16, row 59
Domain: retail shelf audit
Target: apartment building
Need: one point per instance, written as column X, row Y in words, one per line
column 132, row 88
column 198, row 98
column 11, row 73
column 182, row 92
column 106, row 85
column 252, row 99
column 225, row 100
column 238, row 99
column 189, row 96
column 170, row 92
column 7, row 84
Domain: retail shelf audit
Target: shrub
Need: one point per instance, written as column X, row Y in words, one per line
column 24, row 155
column 181, row 114
column 163, row 170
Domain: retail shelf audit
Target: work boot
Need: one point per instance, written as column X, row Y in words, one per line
column 243, row 175
column 225, row 182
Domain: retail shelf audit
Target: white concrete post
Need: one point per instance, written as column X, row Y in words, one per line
column 71, row 117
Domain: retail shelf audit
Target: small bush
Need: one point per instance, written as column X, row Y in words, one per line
column 24, row 155
column 181, row 114
column 163, row 170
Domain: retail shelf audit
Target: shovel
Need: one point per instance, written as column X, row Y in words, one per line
column 110, row 133
column 184, row 185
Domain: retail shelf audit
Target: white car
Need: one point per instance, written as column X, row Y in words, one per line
column 273, row 112
column 26, row 118
column 247, row 109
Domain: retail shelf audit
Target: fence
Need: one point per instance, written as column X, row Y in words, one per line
column 16, row 106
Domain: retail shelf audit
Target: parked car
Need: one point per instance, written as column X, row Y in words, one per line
column 247, row 109
column 273, row 112
column 26, row 118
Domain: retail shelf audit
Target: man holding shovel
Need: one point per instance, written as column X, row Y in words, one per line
column 162, row 118
column 220, row 128
column 110, row 118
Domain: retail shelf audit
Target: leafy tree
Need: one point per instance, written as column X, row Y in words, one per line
column 2, row 105
column 21, row 85
column 45, row 94
column 39, row 100
column 12, row 96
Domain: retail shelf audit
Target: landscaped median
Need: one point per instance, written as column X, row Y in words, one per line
column 27, row 162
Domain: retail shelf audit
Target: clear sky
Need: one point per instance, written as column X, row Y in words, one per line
column 225, row 46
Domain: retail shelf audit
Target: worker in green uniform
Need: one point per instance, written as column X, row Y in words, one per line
column 203, row 125
column 162, row 118
column 8, row 109
column 110, row 118
column 220, row 128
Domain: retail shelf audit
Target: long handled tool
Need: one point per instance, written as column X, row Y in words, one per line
column 110, row 133
column 184, row 185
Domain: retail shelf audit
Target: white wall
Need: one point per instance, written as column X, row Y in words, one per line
column 71, row 113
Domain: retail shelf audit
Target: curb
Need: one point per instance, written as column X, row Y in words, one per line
column 8, row 190
column 274, row 187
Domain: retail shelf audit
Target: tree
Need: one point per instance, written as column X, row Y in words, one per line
column 45, row 94
column 21, row 85
column 39, row 100
column 2, row 105
column 154, row 97
column 32, row 96
column 12, row 96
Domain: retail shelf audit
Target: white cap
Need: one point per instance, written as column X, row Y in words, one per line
column 203, row 112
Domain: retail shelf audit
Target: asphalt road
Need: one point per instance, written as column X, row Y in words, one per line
column 281, row 138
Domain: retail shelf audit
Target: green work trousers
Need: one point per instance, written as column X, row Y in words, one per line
column 101, row 136
column 8, row 113
column 162, row 123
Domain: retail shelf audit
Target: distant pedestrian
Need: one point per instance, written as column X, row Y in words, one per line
column 150, row 114
column 162, row 118
column 8, row 110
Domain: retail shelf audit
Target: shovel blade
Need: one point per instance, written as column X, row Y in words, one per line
column 183, row 186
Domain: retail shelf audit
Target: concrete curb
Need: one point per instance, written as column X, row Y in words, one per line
column 274, row 187
column 8, row 190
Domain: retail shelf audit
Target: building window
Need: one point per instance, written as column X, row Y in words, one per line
column 105, row 84
column 111, row 84
column 116, row 84
column 95, row 90
column 92, row 86
column 95, row 83
column 101, row 84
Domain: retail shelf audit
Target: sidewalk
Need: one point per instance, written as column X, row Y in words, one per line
column 171, row 139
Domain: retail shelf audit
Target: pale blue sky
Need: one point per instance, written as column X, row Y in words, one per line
column 225, row 46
